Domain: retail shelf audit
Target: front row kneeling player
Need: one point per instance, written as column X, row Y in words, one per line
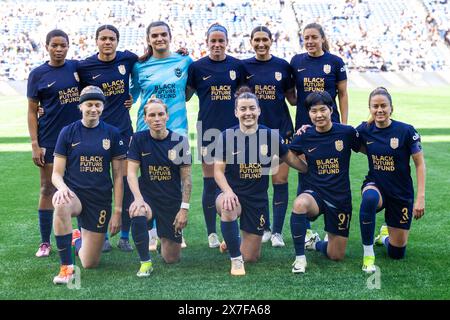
column 164, row 189
column 81, row 173
column 244, row 155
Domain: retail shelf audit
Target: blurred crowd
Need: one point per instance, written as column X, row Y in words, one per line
column 366, row 36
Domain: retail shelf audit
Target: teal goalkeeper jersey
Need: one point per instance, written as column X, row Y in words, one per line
column 166, row 78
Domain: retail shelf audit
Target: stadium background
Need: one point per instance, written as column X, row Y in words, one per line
column 402, row 45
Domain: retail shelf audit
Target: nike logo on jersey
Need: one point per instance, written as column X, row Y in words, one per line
column 75, row 144
column 300, row 70
column 370, row 142
column 235, row 153
column 206, row 78
column 95, row 77
column 145, row 154
column 50, row 84
column 248, row 77
column 311, row 150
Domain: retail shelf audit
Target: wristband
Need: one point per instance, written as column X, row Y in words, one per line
column 184, row 205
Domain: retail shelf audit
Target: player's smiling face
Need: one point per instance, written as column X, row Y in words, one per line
column 156, row 116
column 107, row 42
column 261, row 43
column 91, row 110
column 321, row 117
column 380, row 109
column 159, row 38
column 57, row 49
column 247, row 111
column 313, row 42
column 217, row 44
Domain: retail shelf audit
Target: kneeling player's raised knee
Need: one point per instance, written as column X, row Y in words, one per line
column 300, row 205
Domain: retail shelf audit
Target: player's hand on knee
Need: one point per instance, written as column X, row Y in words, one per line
column 140, row 208
column 63, row 196
column 230, row 201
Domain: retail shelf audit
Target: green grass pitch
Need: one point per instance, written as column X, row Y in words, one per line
column 204, row 273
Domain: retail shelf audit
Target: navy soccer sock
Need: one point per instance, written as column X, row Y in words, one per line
column 298, row 231
column 209, row 204
column 127, row 200
column 140, row 237
column 64, row 245
column 299, row 190
column 279, row 206
column 393, row 251
column 322, row 246
column 230, row 232
column 45, row 224
column 367, row 214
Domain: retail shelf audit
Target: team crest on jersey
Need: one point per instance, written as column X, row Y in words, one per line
column 339, row 144
column 75, row 75
column 326, row 68
column 172, row 154
column 394, row 143
column 178, row 72
column 278, row 76
column 264, row 149
column 106, row 144
column 232, row 75
column 122, row 69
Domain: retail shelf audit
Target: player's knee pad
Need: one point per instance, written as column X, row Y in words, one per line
column 396, row 252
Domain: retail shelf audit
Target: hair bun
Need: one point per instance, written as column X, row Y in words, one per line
column 243, row 89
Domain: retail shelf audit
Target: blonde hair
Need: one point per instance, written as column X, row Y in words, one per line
column 154, row 100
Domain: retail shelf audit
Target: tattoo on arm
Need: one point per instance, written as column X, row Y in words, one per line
column 186, row 183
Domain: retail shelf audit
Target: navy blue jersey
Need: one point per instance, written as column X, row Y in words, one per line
column 269, row 80
column 328, row 158
column 160, row 162
column 57, row 91
column 89, row 152
column 113, row 77
column 389, row 151
column 215, row 83
column 313, row 74
column 248, row 160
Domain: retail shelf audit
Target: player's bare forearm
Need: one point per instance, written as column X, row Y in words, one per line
column 186, row 183
column 133, row 183
column 117, row 166
column 295, row 162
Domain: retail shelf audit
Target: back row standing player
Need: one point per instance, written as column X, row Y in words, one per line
column 318, row 70
column 215, row 78
column 110, row 70
column 271, row 80
column 54, row 87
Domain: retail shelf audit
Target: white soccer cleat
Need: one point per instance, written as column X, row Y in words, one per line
column 153, row 244
column 277, row 240
column 299, row 265
column 237, row 267
column 313, row 238
column 213, row 240
column 266, row 236
column 183, row 243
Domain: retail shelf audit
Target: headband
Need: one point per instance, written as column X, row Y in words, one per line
column 218, row 28
column 92, row 96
